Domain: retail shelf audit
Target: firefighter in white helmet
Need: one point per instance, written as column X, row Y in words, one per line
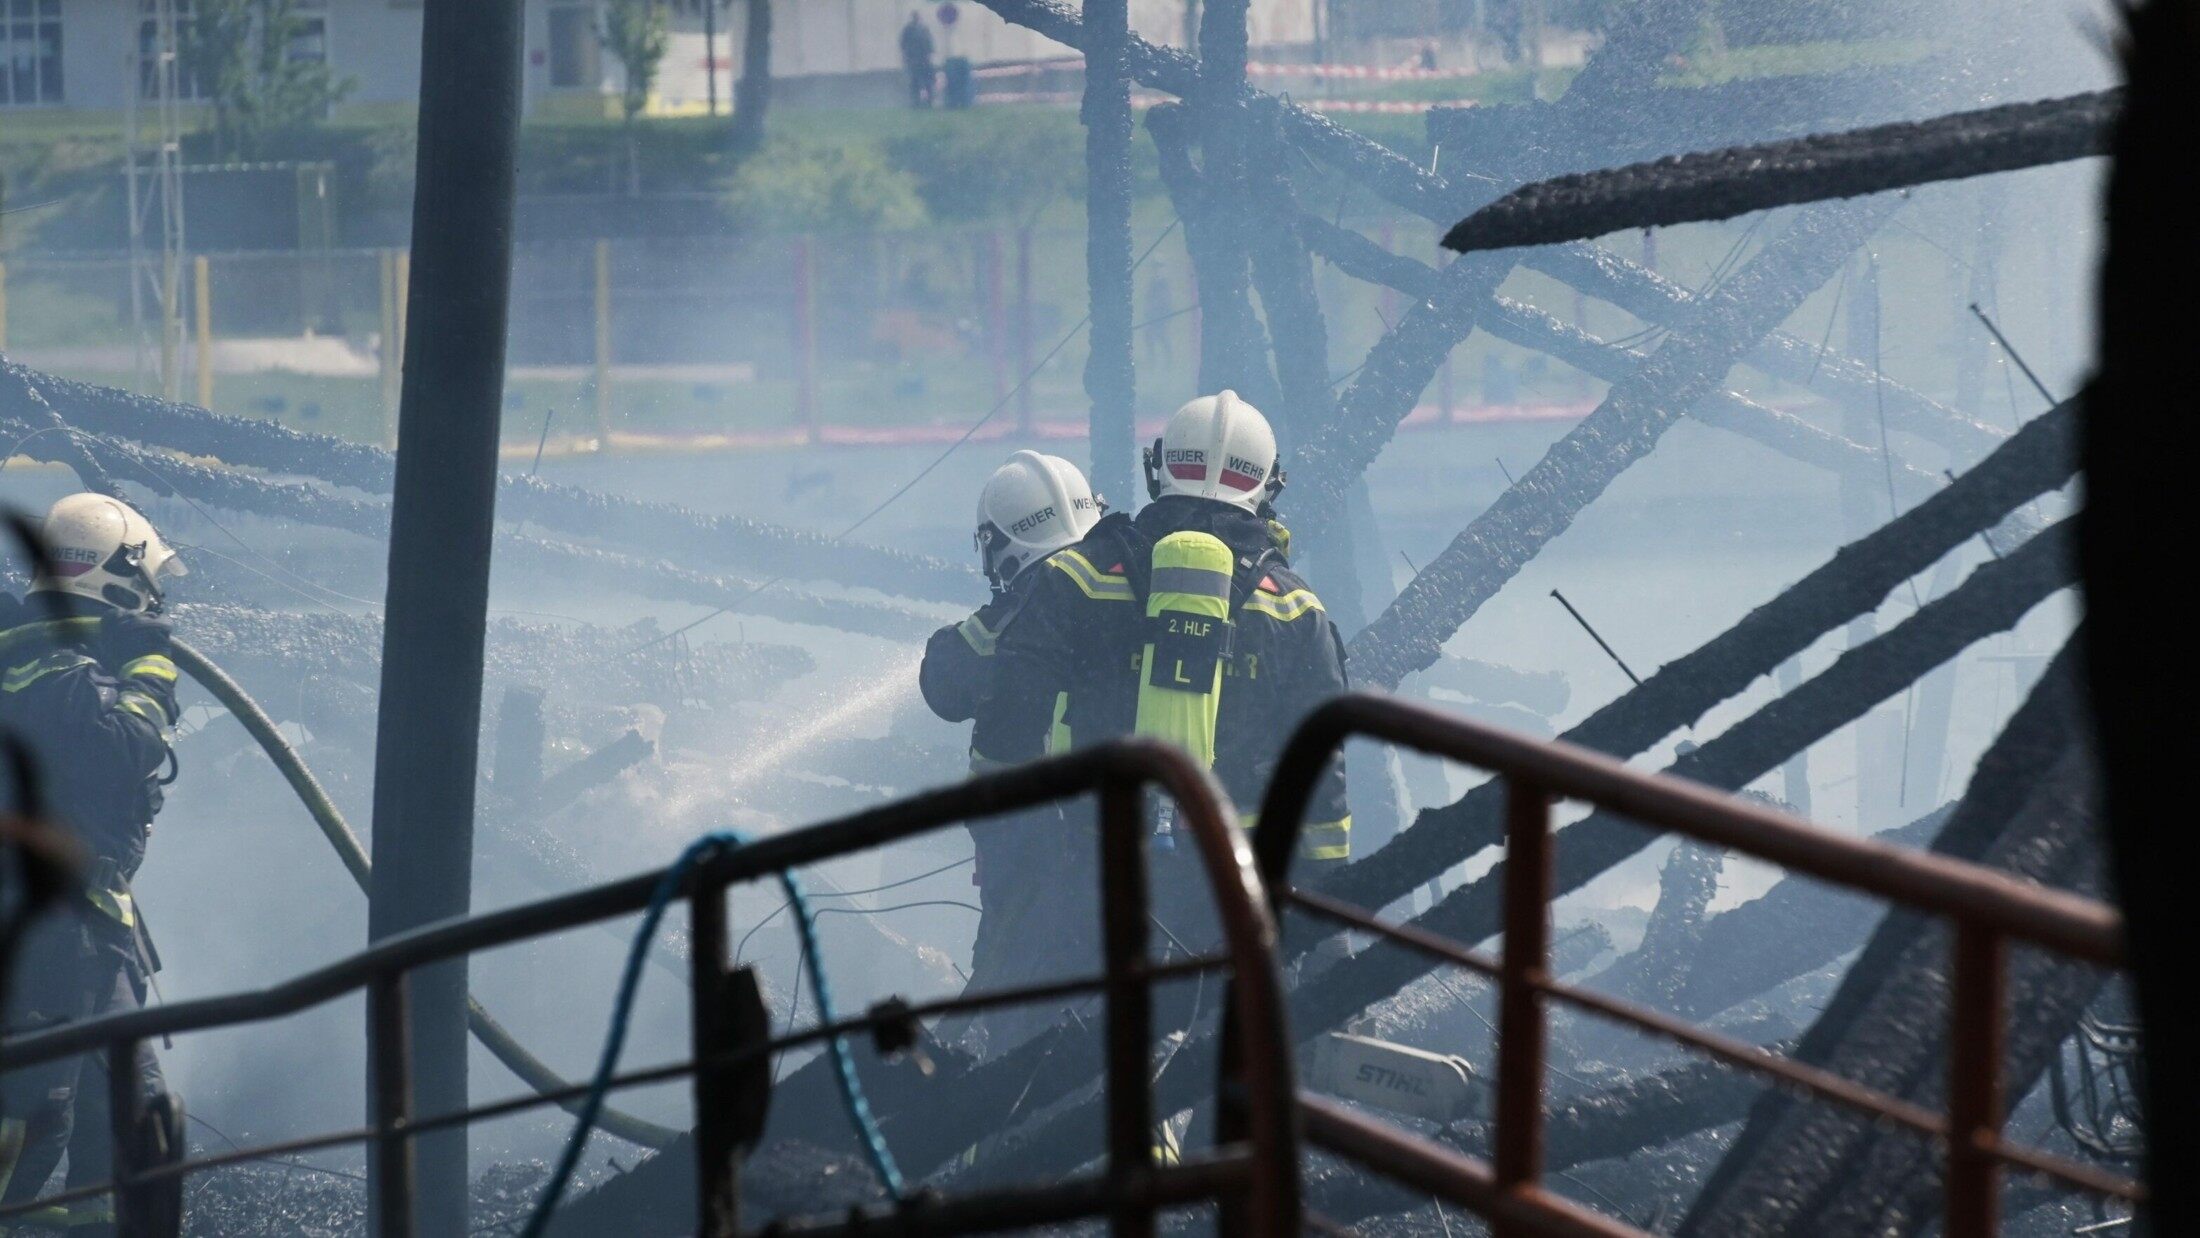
column 1186, row 622
column 88, row 687
column 1032, row 506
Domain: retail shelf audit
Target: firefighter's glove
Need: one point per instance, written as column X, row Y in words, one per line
column 126, row 637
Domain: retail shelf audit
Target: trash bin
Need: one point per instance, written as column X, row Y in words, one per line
column 959, row 87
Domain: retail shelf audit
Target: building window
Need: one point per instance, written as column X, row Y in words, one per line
column 30, row 52
column 188, row 85
column 573, row 63
column 309, row 42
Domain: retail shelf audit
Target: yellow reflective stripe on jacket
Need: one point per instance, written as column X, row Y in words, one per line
column 980, row 763
column 21, row 677
column 143, row 706
column 1096, row 584
column 1058, row 734
column 1188, row 617
column 979, row 637
column 11, row 1148
column 1285, row 607
column 151, row 666
column 1326, row 840
column 116, row 905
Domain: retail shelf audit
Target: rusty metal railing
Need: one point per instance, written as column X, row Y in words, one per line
column 1988, row 908
column 1254, row 1178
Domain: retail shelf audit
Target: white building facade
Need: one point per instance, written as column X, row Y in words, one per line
column 81, row 54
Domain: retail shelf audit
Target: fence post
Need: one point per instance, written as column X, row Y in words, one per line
column 996, row 315
column 1023, row 330
column 1519, row 1160
column 1129, row 999
column 1974, row 1082
column 603, row 341
column 171, row 329
column 202, row 313
column 805, row 338
column 126, row 1108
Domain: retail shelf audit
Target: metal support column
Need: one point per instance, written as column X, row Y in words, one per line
column 441, row 526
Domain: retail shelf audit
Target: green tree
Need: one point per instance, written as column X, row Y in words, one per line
column 637, row 34
column 252, row 59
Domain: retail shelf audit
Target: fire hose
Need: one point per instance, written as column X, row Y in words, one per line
column 532, row 1070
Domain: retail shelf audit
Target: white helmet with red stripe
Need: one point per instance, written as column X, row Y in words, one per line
column 1216, row 447
column 102, row 548
column 1031, row 507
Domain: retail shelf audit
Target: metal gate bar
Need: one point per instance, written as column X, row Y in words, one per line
column 1257, row 1176
column 1989, row 908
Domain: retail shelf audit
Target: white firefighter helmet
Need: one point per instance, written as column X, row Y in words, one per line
column 1031, row 507
column 1216, row 447
column 102, row 548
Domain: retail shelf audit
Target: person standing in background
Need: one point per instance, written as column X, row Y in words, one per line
column 916, row 57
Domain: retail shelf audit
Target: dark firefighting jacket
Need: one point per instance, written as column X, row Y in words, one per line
column 97, row 732
column 1102, row 627
column 956, row 676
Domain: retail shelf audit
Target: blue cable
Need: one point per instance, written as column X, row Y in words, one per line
column 622, row 1010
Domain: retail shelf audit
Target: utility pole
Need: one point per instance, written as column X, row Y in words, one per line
column 710, row 55
column 442, row 522
column 153, row 181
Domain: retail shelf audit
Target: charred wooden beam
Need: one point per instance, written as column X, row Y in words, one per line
column 1805, row 1168
column 1526, row 141
column 1625, row 426
column 1530, row 327
column 1362, row 161
column 1721, row 184
column 1651, row 297
column 656, row 528
column 1791, row 930
column 1110, row 369
column 1233, row 345
column 240, row 491
column 1653, row 973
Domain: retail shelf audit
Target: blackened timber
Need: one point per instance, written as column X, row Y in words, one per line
column 1724, row 183
column 1792, row 929
column 652, row 528
column 1815, row 1169
column 1110, row 372
column 1530, row 327
column 1655, row 299
column 442, row 527
column 1860, row 575
column 21, row 387
column 1991, row 600
column 1634, row 414
column 241, row 491
column 1283, row 272
column 1365, row 162
column 1233, row 345
column 1362, row 161
column 1527, row 141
